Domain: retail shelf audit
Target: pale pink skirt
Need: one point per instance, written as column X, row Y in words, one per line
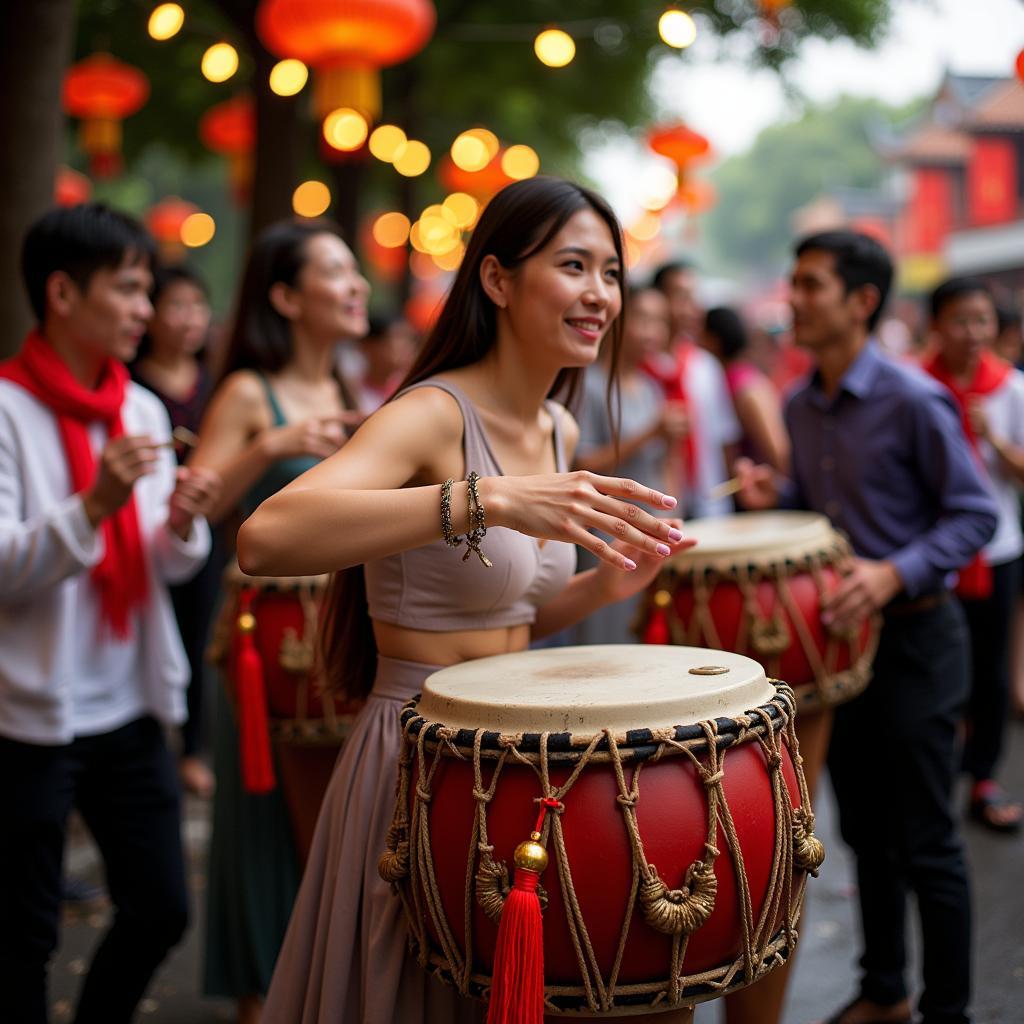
column 345, row 956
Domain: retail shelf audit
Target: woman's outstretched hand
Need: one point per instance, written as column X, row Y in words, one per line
column 566, row 506
column 616, row 585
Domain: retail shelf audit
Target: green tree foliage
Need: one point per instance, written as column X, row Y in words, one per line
column 788, row 166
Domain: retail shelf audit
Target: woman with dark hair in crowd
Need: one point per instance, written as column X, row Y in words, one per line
column 757, row 403
column 169, row 364
column 279, row 410
column 539, row 287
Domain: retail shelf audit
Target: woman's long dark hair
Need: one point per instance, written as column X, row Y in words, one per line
column 517, row 223
column 261, row 338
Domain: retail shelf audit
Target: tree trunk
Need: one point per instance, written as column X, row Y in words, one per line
column 35, row 44
column 277, row 147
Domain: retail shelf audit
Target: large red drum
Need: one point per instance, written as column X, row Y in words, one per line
column 755, row 584
column 679, row 853
column 285, row 613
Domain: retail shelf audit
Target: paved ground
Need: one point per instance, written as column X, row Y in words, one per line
column 824, row 972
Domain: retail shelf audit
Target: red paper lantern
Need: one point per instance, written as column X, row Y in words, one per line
column 229, row 129
column 346, row 43
column 1020, row 65
column 697, row 196
column 71, row 188
column 165, row 220
column 480, row 184
column 102, row 91
column 680, row 144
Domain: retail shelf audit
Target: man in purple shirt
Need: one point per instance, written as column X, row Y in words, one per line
column 879, row 449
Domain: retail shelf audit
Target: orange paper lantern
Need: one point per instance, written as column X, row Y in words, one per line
column 102, row 91
column 229, row 129
column 1020, row 65
column 697, row 196
column 346, row 43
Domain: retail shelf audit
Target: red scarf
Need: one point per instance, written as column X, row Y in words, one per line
column 120, row 577
column 975, row 577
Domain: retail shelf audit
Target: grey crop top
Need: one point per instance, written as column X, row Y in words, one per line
column 431, row 588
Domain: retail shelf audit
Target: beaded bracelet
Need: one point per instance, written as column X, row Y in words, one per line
column 451, row 538
column 477, row 522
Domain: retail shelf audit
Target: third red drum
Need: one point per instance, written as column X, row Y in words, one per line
column 755, row 584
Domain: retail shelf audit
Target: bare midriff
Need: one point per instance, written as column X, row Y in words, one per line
column 448, row 648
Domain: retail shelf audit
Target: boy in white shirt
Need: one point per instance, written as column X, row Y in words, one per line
column 95, row 520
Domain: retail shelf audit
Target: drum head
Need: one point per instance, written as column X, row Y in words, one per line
column 724, row 542
column 583, row 690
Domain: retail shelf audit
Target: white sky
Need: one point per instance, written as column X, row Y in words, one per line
column 715, row 91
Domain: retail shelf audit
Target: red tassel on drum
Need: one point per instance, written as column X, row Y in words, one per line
column 251, row 697
column 657, row 631
column 517, row 983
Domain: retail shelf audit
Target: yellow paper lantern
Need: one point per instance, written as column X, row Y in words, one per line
column 311, row 199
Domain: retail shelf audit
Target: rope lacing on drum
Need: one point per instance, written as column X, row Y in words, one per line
column 677, row 912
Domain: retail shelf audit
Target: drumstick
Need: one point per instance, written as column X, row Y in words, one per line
column 180, row 435
column 725, row 488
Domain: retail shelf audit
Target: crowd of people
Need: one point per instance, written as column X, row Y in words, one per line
column 142, row 466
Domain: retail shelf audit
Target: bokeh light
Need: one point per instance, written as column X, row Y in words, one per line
column 311, row 199
column 677, row 28
column 387, row 142
column 520, row 162
column 451, row 260
column 220, row 62
column 554, row 48
column 288, row 77
column 391, row 230
column 345, row 129
column 413, row 160
column 488, row 138
column 658, row 185
column 165, row 22
column 464, row 208
column 646, row 227
column 469, row 152
column 197, row 230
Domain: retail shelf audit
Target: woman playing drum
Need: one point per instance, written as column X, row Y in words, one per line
column 279, row 410
column 540, row 285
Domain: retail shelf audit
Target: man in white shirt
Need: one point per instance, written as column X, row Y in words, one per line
column 990, row 395
column 95, row 520
column 695, row 378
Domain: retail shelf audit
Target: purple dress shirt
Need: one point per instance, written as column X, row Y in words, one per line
column 887, row 461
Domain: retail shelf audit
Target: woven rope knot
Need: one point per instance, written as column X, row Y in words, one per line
column 774, row 761
column 481, row 796
column 393, row 865
column 714, row 778
column 808, row 849
column 424, row 795
column 679, row 911
column 627, row 799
